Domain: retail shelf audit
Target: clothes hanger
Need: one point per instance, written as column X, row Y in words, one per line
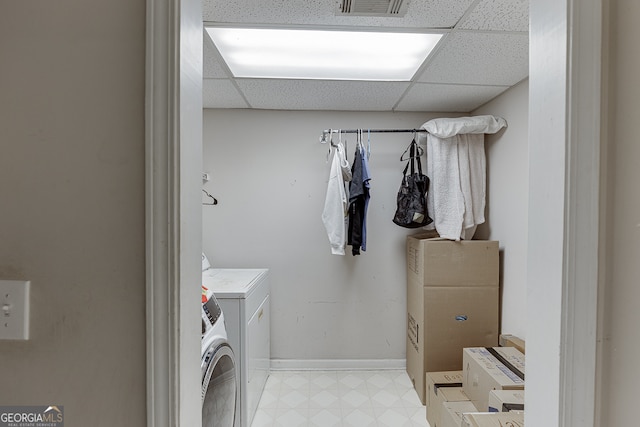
column 213, row 202
column 331, row 144
column 345, row 145
column 419, row 151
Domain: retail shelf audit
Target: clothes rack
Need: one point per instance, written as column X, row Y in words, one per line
column 326, row 132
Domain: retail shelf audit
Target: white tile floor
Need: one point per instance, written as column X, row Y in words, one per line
column 340, row 399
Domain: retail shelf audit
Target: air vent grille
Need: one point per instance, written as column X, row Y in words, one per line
column 395, row 8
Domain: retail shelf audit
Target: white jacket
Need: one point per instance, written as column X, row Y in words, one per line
column 334, row 214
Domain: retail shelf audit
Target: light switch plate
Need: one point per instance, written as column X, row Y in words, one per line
column 14, row 309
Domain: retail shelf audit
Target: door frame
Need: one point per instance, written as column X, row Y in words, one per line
column 567, row 35
column 565, row 92
column 173, row 135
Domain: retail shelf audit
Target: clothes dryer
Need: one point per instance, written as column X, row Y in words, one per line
column 218, row 368
column 243, row 295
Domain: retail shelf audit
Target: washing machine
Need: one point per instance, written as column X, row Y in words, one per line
column 218, row 367
column 244, row 297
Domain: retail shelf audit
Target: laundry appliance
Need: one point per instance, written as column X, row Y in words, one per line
column 218, row 367
column 244, row 297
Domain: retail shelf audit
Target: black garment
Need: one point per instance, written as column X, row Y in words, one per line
column 357, row 194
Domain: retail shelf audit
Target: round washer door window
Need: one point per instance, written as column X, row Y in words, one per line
column 219, row 388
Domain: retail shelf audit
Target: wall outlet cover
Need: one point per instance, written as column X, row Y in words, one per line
column 14, row 309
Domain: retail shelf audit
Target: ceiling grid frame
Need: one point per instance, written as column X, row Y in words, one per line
column 474, row 17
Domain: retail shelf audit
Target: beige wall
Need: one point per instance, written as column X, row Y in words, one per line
column 72, row 207
column 622, row 291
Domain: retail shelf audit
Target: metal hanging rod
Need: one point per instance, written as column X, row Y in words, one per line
column 323, row 138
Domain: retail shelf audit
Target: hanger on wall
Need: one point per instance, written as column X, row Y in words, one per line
column 213, row 200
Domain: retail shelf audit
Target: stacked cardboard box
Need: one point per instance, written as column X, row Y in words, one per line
column 508, row 340
column 506, row 400
column 501, row 419
column 486, row 369
column 492, row 382
column 452, row 303
column 464, row 413
column 451, row 413
column 442, row 387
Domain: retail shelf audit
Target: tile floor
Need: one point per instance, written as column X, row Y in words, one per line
column 341, row 399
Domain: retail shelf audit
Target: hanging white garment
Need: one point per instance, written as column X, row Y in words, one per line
column 456, row 165
column 336, row 203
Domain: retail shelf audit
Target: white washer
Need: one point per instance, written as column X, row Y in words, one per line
column 218, row 368
column 243, row 295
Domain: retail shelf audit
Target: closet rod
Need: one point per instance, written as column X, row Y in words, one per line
column 325, row 132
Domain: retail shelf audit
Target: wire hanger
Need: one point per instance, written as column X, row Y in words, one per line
column 213, row 202
column 345, row 145
column 419, row 151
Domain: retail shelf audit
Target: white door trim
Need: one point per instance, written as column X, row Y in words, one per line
column 173, row 128
column 162, row 205
column 562, row 288
column 581, row 282
column 578, row 302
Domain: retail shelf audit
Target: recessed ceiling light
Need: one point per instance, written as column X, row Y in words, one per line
column 322, row 54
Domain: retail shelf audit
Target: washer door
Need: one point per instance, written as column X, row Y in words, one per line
column 219, row 387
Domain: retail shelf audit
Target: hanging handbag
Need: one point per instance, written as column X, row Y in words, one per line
column 411, row 211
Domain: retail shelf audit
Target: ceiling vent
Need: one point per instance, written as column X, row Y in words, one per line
column 394, row 8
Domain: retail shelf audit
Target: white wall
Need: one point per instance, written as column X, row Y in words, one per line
column 269, row 173
column 72, row 210
column 507, row 202
column 621, row 344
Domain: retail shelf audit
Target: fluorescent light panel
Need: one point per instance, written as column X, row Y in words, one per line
column 320, row 54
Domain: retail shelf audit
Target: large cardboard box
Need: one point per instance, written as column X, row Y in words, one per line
column 438, row 262
column 451, row 413
column 452, row 303
column 486, row 369
column 436, row 382
column 506, row 400
column 495, row 419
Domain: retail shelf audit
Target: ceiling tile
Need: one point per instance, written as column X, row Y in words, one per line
column 221, row 93
column 498, row 15
column 322, row 94
column 485, row 53
column 420, row 13
column 212, row 68
column 480, row 59
column 448, row 98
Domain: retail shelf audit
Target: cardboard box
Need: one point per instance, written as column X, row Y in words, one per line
column 437, row 262
column 486, row 369
column 506, row 400
column 507, row 340
column 452, row 303
column 436, row 383
column 451, row 413
column 447, row 395
column 495, row 419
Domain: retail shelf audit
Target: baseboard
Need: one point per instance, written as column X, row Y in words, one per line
column 337, row 364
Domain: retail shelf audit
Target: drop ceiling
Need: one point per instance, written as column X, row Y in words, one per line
column 484, row 51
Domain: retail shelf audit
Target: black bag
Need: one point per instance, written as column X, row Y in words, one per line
column 412, row 195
